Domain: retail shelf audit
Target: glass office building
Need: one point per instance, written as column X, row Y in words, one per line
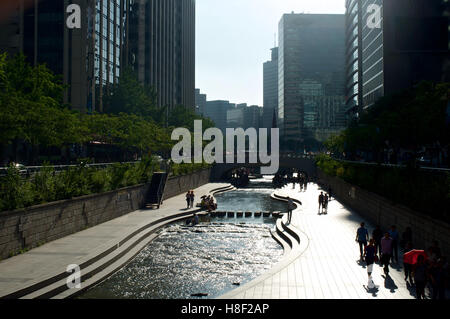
column 410, row 45
column 311, row 63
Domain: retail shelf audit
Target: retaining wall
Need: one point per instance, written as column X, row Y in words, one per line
column 381, row 211
column 30, row 227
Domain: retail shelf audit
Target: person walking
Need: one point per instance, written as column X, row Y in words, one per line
column 408, row 267
column 325, row 203
column 188, row 199
column 377, row 234
column 362, row 236
column 438, row 280
column 406, row 237
column 192, row 199
column 370, row 256
column 386, row 252
column 321, row 197
column 290, row 208
column 395, row 236
column 420, row 277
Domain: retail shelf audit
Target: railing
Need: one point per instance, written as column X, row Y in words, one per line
column 426, row 168
column 28, row 170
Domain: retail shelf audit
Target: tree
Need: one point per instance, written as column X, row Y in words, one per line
column 131, row 97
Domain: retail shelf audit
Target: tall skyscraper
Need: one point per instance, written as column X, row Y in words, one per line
column 162, row 48
column 155, row 37
column 270, row 106
column 311, row 66
column 200, row 102
column 410, row 44
column 217, row 111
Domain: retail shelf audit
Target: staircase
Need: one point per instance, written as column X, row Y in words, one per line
column 156, row 190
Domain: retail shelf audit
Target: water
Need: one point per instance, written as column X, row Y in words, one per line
column 207, row 258
column 254, row 198
column 182, row 261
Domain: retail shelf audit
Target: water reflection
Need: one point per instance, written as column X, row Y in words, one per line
column 183, row 261
column 208, row 258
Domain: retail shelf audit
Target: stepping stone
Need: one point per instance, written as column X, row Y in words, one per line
column 213, row 214
column 276, row 214
column 230, row 214
column 248, row 214
column 266, row 214
column 240, row 214
column 221, row 214
column 258, row 214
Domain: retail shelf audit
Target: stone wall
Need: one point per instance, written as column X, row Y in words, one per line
column 380, row 211
column 182, row 184
column 28, row 228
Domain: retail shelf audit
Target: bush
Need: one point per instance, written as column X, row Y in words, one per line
column 422, row 191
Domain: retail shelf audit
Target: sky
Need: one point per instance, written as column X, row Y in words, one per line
column 234, row 38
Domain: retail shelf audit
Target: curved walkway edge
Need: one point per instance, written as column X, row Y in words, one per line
column 294, row 241
column 98, row 251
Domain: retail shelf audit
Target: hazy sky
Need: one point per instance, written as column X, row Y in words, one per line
column 234, row 38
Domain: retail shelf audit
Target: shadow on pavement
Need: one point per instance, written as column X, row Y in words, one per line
column 389, row 283
column 361, row 263
column 372, row 291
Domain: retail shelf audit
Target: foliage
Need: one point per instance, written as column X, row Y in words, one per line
column 424, row 191
column 411, row 119
column 47, row 185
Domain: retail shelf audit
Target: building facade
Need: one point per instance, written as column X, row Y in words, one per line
column 311, row 63
column 155, row 37
column 200, row 102
column 162, row 48
column 410, row 44
column 270, row 90
column 217, row 111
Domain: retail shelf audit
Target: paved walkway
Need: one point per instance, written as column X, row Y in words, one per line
column 54, row 257
column 329, row 267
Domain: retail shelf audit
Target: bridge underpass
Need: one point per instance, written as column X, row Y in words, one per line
column 302, row 163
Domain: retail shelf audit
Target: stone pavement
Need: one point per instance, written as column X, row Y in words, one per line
column 328, row 267
column 53, row 258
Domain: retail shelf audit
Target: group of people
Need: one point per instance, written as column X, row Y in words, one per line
column 208, row 203
column 323, row 202
column 302, row 180
column 383, row 247
column 190, row 197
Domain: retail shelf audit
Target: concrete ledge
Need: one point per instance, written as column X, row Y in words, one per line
column 290, row 256
column 100, row 259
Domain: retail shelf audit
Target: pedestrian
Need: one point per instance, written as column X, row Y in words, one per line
column 290, row 208
column 406, row 237
column 370, row 256
column 393, row 233
column 191, row 199
column 362, row 236
column 408, row 267
column 188, row 199
column 325, row 203
column 377, row 234
column 386, row 252
column 434, row 251
column 420, row 277
column 438, row 280
column 321, row 197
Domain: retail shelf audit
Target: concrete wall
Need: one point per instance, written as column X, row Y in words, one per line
column 379, row 210
column 34, row 226
column 182, row 184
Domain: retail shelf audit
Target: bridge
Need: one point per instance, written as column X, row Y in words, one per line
column 302, row 163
